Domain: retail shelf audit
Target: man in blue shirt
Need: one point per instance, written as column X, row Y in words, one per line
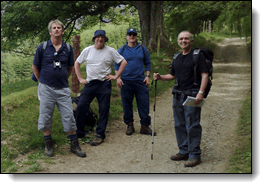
column 133, row 82
column 56, row 64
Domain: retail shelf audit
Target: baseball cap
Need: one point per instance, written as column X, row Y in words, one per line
column 131, row 30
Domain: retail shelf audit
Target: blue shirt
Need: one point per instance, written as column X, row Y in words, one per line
column 53, row 77
column 137, row 62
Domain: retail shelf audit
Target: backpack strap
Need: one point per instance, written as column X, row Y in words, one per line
column 143, row 50
column 195, row 60
column 176, row 79
column 176, row 55
column 123, row 49
column 44, row 47
column 68, row 46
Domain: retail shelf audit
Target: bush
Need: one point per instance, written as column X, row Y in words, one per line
column 116, row 35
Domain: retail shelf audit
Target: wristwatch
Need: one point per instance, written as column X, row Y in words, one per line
column 200, row 92
column 147, row 75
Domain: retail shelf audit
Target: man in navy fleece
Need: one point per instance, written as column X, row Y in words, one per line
column 133, row 82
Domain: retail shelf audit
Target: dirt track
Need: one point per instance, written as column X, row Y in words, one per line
column 132, row 154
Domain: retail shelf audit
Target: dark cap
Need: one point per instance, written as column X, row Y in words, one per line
column 100, row 32
column 131, row 30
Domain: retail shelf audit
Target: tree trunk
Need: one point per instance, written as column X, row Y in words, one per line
column 76, row 50
column 151, row 22
column 143, row 8
column 158, row 47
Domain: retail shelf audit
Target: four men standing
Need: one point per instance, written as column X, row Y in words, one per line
column 131, row 62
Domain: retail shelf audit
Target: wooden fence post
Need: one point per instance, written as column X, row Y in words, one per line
column 209, row 26
column 76, row 50
column 158, row 49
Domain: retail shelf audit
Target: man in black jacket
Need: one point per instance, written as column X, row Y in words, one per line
column 187, row 118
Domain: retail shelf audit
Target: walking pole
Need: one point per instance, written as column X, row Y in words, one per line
column 153, row 123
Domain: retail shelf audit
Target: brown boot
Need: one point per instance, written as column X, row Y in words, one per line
column 75, row 148
column 179, row 157
column 97, row 140
column 130, row 129
column 146, row 130
column 192, row 162
column 49, row 148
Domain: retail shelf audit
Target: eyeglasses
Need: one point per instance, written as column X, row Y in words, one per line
column 132, row 34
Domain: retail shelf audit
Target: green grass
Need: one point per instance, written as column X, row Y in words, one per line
column 241, row 160
column 20, row 112
column 17, row 86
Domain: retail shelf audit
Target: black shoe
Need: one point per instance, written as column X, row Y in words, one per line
column 130, row 129
column 49, row 148
column 75, row 148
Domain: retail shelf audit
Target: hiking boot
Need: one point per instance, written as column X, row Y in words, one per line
column 146, row 130
column 97, row 140
column 75, row 148
column 192, row 162
column 49, row 148
column 179, row 157
column 130, row 129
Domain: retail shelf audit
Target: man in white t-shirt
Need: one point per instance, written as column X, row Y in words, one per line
column 99, row 58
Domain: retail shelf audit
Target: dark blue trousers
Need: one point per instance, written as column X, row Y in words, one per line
column 187, row 128
column 102, row 91
column 138, row 89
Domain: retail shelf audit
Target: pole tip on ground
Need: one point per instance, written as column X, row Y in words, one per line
column 151, row 156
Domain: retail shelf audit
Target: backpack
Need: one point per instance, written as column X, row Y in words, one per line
column 43, row 50
column 91, row 117
column 209, row 58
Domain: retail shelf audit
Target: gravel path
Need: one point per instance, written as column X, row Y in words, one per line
column 132, row 154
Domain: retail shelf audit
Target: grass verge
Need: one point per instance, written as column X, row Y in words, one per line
column 241, row 160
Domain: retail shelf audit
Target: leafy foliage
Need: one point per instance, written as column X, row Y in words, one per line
column 15, row 67
column 236, row 17
column 188, row 15
column 19, row 48
column 178, row 15
column 21, row 20
column 116, row 35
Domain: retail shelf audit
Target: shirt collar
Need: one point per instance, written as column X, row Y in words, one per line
column 49, row 43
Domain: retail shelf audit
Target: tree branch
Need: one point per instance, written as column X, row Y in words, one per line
column 20, row 52
column 71, row 29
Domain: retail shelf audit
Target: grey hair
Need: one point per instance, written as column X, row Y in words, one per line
column 55, row 21
column 185, row 31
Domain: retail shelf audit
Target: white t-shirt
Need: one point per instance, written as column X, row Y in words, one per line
column 99, row 62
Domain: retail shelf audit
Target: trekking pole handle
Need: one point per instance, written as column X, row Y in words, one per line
column 153, row 80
